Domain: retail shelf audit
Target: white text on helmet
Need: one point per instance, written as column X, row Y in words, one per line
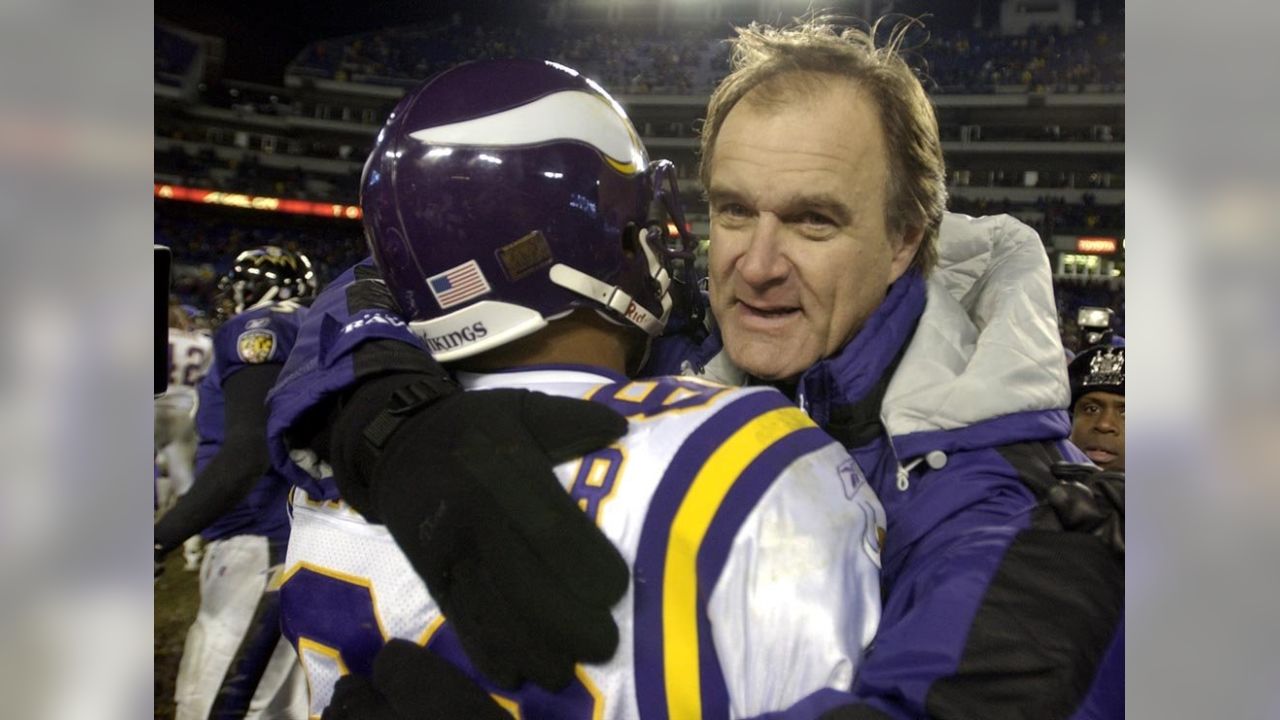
column 449, row 341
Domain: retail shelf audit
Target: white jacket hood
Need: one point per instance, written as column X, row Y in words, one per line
column 987, row 343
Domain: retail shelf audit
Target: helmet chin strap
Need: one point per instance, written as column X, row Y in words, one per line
column 617, row 299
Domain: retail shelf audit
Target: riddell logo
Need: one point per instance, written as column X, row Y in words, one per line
column 457, row 338
column 634, row 313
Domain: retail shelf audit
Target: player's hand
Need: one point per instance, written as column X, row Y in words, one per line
column 410, row 682
column 466, row 488
column 1091, row 501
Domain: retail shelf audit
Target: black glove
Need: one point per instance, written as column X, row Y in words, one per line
column 464, row 483
column 1090, row 500
column 410, row 682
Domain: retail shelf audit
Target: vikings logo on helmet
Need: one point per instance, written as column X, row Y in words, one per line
column 571, row 115
column 504, row 194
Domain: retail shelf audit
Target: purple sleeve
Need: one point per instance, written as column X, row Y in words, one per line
column 256, row 337
column 263, row 336
column 987, row 614
column 352, row 310
column 669, row 354
column 928, row 615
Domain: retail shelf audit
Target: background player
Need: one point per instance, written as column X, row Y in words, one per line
column 234, row 663
column 190, row 352
column 516, row 222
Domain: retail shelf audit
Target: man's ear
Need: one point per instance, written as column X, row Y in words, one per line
column 905, row 247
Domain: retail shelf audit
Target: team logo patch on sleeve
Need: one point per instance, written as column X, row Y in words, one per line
column 256, row 346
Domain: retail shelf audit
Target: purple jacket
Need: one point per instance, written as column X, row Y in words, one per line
column 262, row 334
column 951, row 399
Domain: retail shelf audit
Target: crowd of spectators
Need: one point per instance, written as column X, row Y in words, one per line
column 1084, row 217
column 312, row 146
column 961, row 176
column 686, row 62
column 204, row 246
column 245, row 100
column 205, row 169
column 680, row 62
column 1051, row 215
column 403, row 54
column 1072, row 294
column 1024, row 133
column 190, row 169
column 1041, row 60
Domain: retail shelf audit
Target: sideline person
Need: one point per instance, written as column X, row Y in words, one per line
column 235, row 662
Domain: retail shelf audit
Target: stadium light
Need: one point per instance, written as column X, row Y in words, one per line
column 257, row 202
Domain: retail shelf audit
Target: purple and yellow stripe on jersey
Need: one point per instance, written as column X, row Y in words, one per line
column 712, row 484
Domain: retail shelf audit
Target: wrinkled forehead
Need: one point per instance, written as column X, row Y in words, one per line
column 817, row 107
column 825, row 142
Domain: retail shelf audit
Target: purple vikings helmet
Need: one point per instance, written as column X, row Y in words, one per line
column 504, row 194
column 261, row 275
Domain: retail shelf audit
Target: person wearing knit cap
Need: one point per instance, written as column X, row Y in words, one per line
column 1097, row 405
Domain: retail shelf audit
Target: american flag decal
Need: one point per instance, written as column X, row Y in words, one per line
column 458, row 285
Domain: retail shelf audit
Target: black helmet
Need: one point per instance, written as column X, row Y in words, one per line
column 264, row 274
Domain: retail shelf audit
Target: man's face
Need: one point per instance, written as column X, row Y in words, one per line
column 800, row 255
column 1097, row 428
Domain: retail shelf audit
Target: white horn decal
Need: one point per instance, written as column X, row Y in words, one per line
column 566, row 115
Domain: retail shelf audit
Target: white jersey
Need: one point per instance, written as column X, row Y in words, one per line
column 754, row 555
column 190, row 354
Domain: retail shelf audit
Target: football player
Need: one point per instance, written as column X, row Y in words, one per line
column 234, row 663
column 190, row 352
column 514, row 227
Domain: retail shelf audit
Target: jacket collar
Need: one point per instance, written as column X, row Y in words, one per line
column 847, row 388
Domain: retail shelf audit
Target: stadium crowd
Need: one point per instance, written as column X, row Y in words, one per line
column 692, row 61
column 204, row 248
column 1049, row 214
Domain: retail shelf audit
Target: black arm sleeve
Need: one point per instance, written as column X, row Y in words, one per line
column 240, row 462
column 381, row 367
column 334, row 430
